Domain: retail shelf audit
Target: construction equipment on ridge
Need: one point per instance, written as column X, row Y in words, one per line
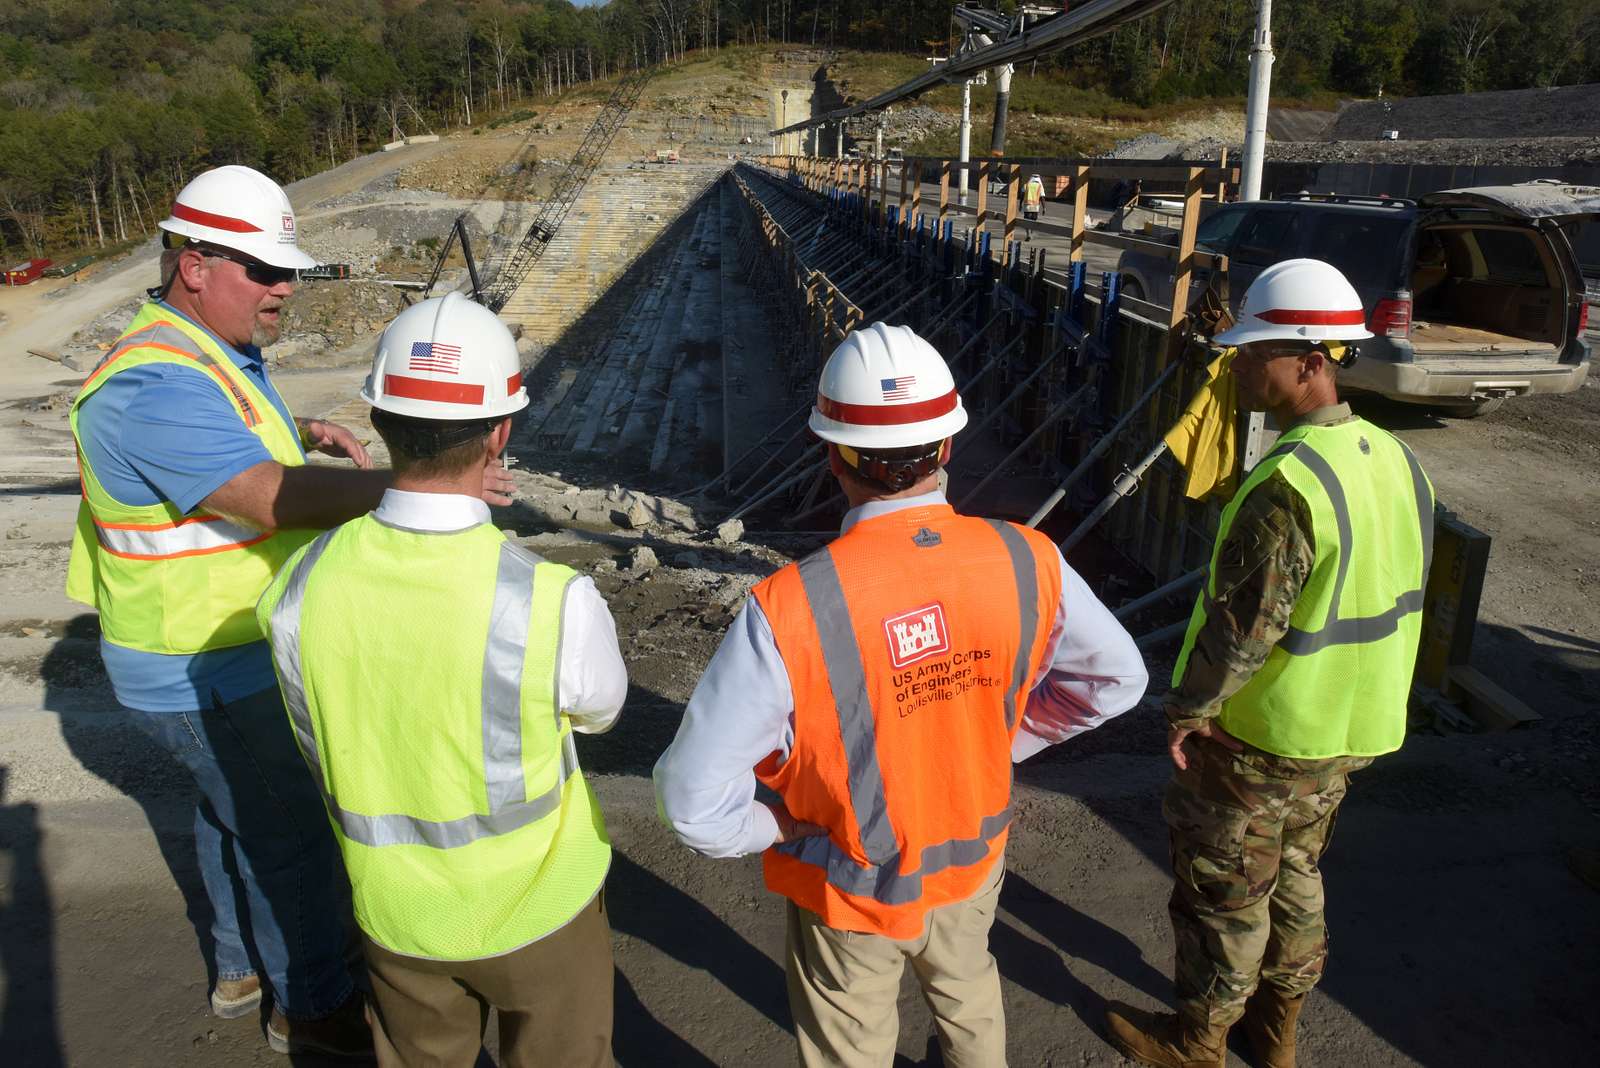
column 567, row 189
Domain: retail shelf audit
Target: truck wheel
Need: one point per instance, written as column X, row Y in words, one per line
column 1472, row 409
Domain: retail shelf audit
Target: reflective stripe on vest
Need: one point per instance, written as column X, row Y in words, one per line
column 1336, row 630
column 165, row 541
column 881, row 878
column 164, row 581
column 167, row 337
column 1337, row 682
column 502, row 716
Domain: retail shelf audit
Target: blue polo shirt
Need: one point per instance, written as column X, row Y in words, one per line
column 165, row 432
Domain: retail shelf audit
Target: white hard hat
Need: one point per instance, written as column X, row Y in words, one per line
column 886, row 388
column 242, row 209
column 446, row 358
column 1298, row 300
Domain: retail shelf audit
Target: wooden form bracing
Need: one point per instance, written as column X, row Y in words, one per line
column 1021, row 335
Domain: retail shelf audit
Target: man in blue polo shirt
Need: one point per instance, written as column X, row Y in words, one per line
column 195, row 492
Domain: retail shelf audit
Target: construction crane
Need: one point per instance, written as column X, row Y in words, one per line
column 568, row 186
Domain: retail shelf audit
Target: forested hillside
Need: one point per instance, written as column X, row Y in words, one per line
column 108, row 106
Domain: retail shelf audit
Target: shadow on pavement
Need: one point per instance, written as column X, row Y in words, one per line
column 113, row 750
column 651, row 909
column 29, row 1030
column 1077, row 935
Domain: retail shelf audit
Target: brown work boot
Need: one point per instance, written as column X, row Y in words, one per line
column 345, row 1033
column 233, row 998
column 1165, row 1040
column 1269, row 1022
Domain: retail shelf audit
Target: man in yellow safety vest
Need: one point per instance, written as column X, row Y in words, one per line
column 434, row 674
column 1032, row 203
column 1295, row 672
column 195, row 490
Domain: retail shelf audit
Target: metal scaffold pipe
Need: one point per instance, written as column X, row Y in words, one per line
column 1124, row 486
column 1101, row 446
column 1171, row 589
column 778, row 485
column 751, row 451
column 999, row 409
column 1158, row 637
column 1084, row 394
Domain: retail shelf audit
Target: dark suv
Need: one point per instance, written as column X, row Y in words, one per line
column 1474, row 295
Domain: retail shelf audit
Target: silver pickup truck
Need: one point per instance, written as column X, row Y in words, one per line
column 1474, row 295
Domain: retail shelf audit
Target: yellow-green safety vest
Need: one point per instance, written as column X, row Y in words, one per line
column 1337, row 684
column 163, row 581
column 420, row 673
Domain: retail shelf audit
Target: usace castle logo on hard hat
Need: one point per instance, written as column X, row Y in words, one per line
column 288, row 230
column 916, row 635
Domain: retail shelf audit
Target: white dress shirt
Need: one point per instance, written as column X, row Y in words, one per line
column 592, row 681
column 743, row 709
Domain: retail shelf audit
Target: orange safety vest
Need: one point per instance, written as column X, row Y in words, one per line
column 911, row 644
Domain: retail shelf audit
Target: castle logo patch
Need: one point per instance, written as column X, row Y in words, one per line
column 916, row 635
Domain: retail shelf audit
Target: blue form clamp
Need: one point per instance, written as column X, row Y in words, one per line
column 1105, row 331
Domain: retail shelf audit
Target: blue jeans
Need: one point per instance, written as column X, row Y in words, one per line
column 262, row 837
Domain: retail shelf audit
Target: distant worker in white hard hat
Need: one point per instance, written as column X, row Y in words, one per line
column 882, row 687
column 434, row 673
column 195, row 490
column 1032, row 202
column 1295, row 672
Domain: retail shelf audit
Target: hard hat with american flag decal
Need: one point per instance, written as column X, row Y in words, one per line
column 446, row 358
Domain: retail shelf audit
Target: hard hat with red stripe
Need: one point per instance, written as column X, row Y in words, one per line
column 1298, row 300
column 446, row 358
column 241, row 209
column 886, row 388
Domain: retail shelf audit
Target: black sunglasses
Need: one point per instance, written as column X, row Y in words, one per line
column 262, row 274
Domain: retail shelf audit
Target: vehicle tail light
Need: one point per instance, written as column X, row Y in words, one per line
column 1583, row 316
column 1391, row 318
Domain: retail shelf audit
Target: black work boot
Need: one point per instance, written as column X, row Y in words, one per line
column 344, row 1033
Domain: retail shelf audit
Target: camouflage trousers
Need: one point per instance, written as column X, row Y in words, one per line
column 1247, row 831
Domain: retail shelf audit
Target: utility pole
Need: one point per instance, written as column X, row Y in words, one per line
column 1255, row 109
column 966, row 136
column 785, row 119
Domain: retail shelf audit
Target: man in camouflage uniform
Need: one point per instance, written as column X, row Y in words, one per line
column 1249, row 819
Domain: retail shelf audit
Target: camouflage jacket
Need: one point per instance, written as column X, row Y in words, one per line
column 1258, row 575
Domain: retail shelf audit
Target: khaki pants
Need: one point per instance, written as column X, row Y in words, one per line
column 554, row 999
column 843, row 986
